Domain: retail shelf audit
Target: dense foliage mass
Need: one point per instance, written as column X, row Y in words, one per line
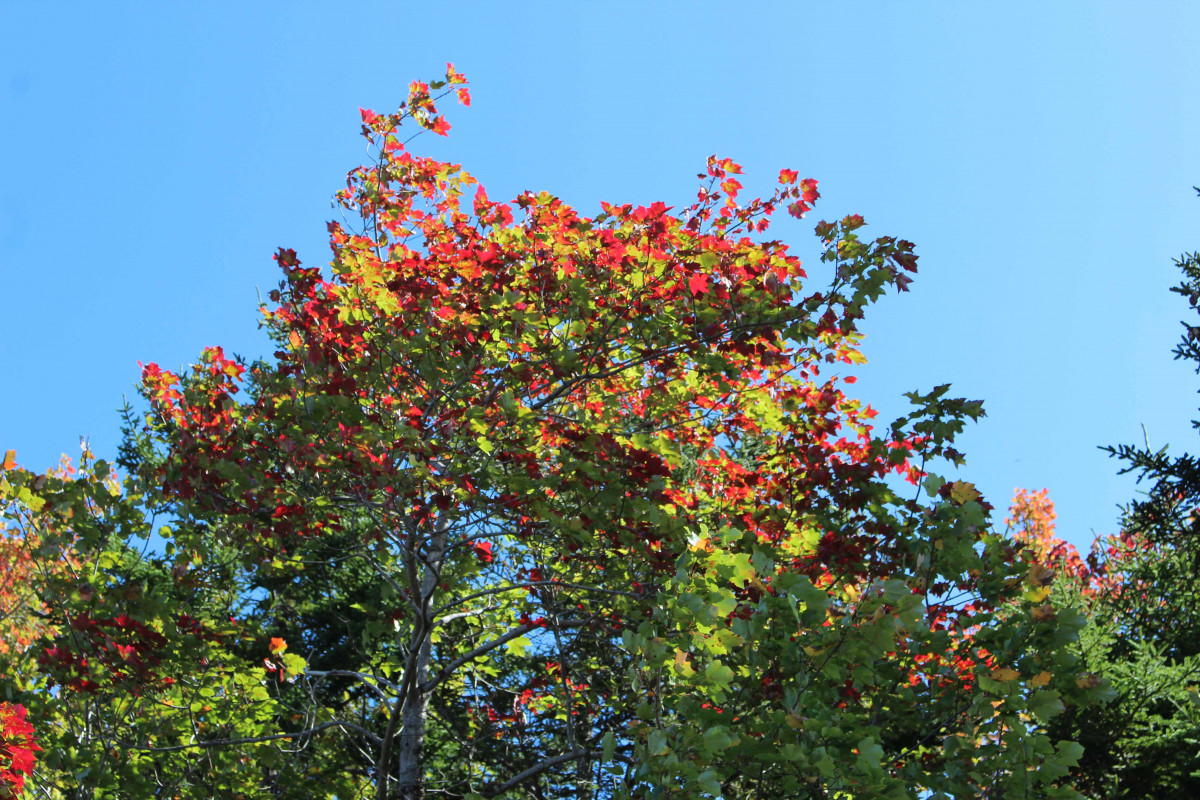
column 532, row 504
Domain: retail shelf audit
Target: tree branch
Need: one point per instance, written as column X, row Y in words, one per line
column 446, row 671
column 537, row 769
column 527, row 584
column 256, row 739
column 370, row 680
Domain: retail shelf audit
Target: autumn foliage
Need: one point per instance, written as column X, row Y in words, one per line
column 1032, row 521
column 530, row 502
column 1138, row 654
column 17, row 749
column 22, row 609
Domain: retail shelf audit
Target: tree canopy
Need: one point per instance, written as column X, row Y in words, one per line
column 534, row 504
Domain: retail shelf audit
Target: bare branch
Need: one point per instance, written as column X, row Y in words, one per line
column 446, row 671
column 373, row 681
column 538, row 769
column 350, row 726
column 527, row 584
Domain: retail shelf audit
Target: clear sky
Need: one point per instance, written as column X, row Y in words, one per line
column 1041, row 155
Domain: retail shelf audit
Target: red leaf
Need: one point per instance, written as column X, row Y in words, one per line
column 698, row 284
column 483, row 552
column 809, row 187
column 481, row 199
column 798, row 209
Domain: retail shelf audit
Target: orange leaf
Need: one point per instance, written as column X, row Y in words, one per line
column 1044, row 613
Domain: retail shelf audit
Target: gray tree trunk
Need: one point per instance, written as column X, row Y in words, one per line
column 410, row 754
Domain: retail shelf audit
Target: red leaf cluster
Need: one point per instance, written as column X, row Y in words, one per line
column 17, row 749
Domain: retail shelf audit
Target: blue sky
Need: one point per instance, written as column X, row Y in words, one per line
column 1041, row 155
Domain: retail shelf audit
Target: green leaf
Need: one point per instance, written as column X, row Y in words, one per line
column 707, row 781
column 292, row 663
column 717, row 739
column 518, row 646
column 1045, row 704
column 738, row 567
column 718, row 674
column 722, row 641
column 869, row 754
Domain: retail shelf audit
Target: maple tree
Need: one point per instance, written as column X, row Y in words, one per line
column 532, row 504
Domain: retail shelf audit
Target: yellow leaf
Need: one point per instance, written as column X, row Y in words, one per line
column 1037, row 595
column 1004, row 674
column 813, row 652
column 963, row 492
column 1041, row 679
